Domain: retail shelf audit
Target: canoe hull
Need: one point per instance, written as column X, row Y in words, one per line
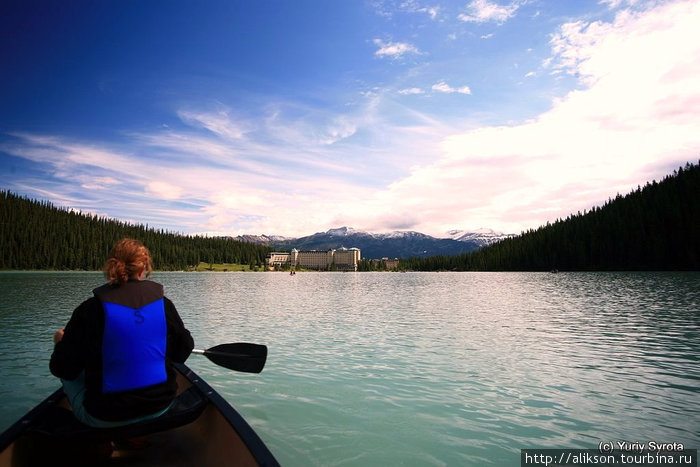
column 218, row 436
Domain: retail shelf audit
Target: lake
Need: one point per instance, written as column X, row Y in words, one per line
column 414, row 369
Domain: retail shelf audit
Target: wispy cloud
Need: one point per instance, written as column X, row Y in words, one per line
column 216, row 197
column 388, row 154
column 100, row 183
column 262, row 180
column 440, row 87
column 446, row 88
column 483, row 11
column 411, row 91
column 414, row 6
column 164, row 190
column 617, row 3
column 219, row 123
column 388, row 9
column 631, row 121
column 394, row 50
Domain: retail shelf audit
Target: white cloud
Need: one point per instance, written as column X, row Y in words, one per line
column 446, row 88
column 414, row 7
column 100, row 183
column 257, row 194
column 218, row 123
column 432, row 12
column 340, row 129
column 264, row 182
column 164, row 190
column 296, row 170
column 482, row 11
column 632, row 121
column 411, row 91
column 394, row 49
column 612, row 4
column 442, row 87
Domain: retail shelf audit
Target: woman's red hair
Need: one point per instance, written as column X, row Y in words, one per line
column 128, row 258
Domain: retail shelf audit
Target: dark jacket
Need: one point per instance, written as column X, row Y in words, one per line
column 81, row 349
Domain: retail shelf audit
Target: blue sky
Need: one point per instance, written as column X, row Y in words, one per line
column 289, row 118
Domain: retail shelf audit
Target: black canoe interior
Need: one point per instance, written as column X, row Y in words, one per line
column 205, row 435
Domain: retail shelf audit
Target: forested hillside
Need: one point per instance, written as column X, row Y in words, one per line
column 38, row 235
column 653, row 228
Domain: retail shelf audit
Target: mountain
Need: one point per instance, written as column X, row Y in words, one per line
column 262, row 239
column 482, row 237
column 397, row 244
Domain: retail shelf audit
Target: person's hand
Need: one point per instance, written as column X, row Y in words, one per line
column 58, row 336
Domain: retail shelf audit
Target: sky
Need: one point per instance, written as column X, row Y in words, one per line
column 293, row 117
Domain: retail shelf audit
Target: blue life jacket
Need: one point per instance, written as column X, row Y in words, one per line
column 133, row 346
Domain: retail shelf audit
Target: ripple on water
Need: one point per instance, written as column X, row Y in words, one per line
column 417, row 368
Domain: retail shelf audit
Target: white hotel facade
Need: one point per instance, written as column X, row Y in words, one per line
column 341, row 260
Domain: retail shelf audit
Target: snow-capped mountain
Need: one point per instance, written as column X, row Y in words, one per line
column 397, row 244
column 481, row 236
column 263, row 239
column 344, row 232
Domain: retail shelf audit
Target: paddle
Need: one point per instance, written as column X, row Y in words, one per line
column 241, row 356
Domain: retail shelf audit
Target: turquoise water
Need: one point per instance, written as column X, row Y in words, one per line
column 414, row 369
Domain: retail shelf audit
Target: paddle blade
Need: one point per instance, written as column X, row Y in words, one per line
column 249, row 358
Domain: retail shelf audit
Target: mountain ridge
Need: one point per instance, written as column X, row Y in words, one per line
column 395, row 244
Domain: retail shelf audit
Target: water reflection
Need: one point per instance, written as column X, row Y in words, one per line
column 416, row 368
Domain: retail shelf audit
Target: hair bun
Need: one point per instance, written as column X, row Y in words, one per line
column 129, row 258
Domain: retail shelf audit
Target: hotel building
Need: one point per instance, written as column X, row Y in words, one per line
column 339, row 260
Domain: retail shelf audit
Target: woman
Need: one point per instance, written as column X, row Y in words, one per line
column 114, row 355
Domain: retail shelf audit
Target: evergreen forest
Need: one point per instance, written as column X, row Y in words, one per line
column 656, row 227
column 38, row 235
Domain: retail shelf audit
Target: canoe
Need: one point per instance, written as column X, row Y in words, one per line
column 200, row 429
